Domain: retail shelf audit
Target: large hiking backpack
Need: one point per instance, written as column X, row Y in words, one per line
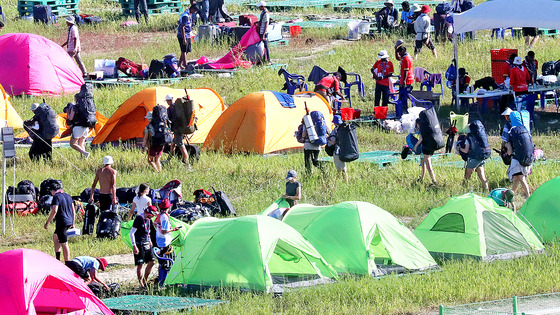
column 347, row 141
column 226, row 208
column 47, row 121
column 479, row 148
column 26, row 187
column 548, row 68
column 161, row 135
column 320, row 127
column 85, row 107
column 432, row 138
column 467, row 5
column 299, row 133
column 184, row 121
column 523, row 147
column 89, row 219
column 128, row 67
column 45, row 204
column 109, row 225
column 443, row 8
column 171, row 66
column 46, row 185
column 156, row 69
column 193, row 151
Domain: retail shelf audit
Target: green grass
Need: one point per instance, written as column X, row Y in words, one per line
column 253, row 182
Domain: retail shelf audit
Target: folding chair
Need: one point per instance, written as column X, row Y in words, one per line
column 294, row 82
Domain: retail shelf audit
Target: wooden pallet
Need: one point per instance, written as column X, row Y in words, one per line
column 60, row 10
column 170, row 3
column 128, row 12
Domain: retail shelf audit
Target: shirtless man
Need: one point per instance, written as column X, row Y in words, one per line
column 107, row 178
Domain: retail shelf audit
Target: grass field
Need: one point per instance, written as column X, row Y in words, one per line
column 253, row 181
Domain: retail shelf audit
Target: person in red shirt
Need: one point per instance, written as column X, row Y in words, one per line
column 406, row 80
column 329, row 85
column 519, row 77
column 382, row 70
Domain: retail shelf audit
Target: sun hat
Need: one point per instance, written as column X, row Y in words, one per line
column 337, row 119
column 389, row 2
column 34, row 106
column 108, row 160
column 426, row 9
column 148, row 115
column 291, row 174
column 261, row 4
column 518, row 61
column 151, row 210
column 169, row 97
column 102, row 263
column 70, row 19
column 383, row 55
column 507, row 112
column 165, row 204
column 416, row 7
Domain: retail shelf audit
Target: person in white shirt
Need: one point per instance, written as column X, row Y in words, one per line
column 140, row 202
column 73, row 43
column 163, row 226
column 422, row 27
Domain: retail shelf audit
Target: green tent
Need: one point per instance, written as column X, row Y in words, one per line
column 359, row 238
column 276, row 209
column 178, row 236
column 251, row 252
column 474, row 226
column 542, row 210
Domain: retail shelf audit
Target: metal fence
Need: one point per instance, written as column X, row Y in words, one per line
column 526, row 305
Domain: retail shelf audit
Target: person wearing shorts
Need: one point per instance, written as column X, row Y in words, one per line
column 86, row 268
column 473, row 165
column 422, row 27
column 154, row 152
column 79, row 133
column 338, row 164
column 426, row 161
column 64, row 211
column 529, row 32
column 141, row 238
column 177, row 135
column 184, row 35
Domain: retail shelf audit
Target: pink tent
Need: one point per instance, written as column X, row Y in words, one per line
column 233, row 58
column 36, row 66
column 36, row 283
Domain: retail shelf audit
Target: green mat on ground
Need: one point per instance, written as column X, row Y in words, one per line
column 155, row 304
column 385, row 158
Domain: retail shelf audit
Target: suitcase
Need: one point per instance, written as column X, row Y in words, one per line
column 247, row 20
column 89, row 219
column 42, row 13
column 274, row 32
column 208, row 32
column 109, row 225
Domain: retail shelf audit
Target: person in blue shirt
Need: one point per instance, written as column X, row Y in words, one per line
column 407, row 18
column 184, row 35
column 64, row 211
column 86, row 268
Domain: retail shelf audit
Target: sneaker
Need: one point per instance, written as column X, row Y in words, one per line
column 86, row 154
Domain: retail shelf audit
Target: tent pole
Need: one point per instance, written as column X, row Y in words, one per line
column 456, row 57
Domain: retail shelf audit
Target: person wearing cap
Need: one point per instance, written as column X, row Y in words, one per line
column 262, row 28
column 422, row 27
column 407, row 18
column 406, row 79
column 293, row 189
column 398, row 44
column 178, row 137
column 86, row 268
column 507, row 125
column 63, row 211
column 107, row 178
column 519, row 76
column 329, row 87
column 516, row 147
column 382, row 70
column 503, row 197
column 388, row 17
column 154, row 152
column 184, row 35
column 79, row 132
column 41, row 147
column 163, row 226
column 332, row 141
column 73, row 43
column 141, row 238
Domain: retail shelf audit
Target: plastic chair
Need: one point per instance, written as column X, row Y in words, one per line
column 348, row 86
column 294, row 82
column 418, row 102
column 428, row 82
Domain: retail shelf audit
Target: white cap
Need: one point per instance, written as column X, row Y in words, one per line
column 389, row 2
column 518, row 61
column 34, row 106
column 107, row 160
column 383, row 54
column 261, row 4
column 148, row 115
column 169, row 97
column 416, row 8
column 507, row 112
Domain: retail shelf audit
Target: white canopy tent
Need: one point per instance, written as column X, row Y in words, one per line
column 503, row 14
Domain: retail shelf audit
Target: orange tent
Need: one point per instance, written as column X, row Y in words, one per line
column 259, row 123
column 8, row 114
column 128, row 121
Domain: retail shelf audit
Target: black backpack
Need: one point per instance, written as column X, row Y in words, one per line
column 523, row 147
column 109, row 225
column 347, row 141
column 193, row 151
column 156, row 70
column 479, row 147
column 26, row 187
column 443, row 8
column 85, row 107
column 46, row 185
column 161, row 135
column 45, row 115
column 226, row 208
column 548, row 68
column 461, row 142
column 432, row 138
column 89, row 219
column 467, row 5
column 86, row 193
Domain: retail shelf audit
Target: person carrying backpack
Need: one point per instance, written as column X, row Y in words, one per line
column 521, row 149
column 42, row 128
column 332, row 141
column 177, row 135
column 154, row 141
column 478, row 150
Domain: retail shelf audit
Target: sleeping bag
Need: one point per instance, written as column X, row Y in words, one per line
column 320, row 127
column 430, row 130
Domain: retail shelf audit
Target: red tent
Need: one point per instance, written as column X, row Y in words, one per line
column 36, row 283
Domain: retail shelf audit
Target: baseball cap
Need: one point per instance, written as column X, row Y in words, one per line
column 426, row 9
column 165, row 204
column 291, row 174
column 102, row 263
column 151, row 210
column 34, row 106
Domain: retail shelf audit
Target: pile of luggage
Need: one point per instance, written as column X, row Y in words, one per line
column 166, row 68
column 205, row 204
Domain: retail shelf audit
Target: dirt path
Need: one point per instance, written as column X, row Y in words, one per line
column 121, row 269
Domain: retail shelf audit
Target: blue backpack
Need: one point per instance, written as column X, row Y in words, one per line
column 479, row 148
column 523, row 147
column 443, row 8
column 299, row 134
column 320, row 127
column 451, row 73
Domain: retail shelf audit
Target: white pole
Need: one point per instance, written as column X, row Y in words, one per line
column 456, row 56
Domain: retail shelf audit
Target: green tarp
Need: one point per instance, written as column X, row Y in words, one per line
column 356, row 236
column 245, row 252
column 542, row 210
column 474, row 226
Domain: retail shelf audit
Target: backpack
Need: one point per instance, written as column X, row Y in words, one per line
column 43, row 14
column 467, row 5
column 432, row 138
column 26, row 187
column 479, row 147
column 46, row 185
column 347, row 141
column 461, row 142
column 127, row 67
column 86, row 193
column 47, row 121
column 226, row 208
column 193, row 151
column 320, row 127
column 184, row 120
column 548, row 68
column 156, row 69
column 89, row 219
column 161, row 135
column 109, row 225
column 443, row 8
column 299, row 134
column 85, row 115
column 451, row 73
column 523, row 147
column 171, row 66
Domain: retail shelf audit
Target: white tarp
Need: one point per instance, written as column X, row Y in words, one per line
column 509, row 13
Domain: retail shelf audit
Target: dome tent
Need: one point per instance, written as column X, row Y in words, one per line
column 264, row 122
column 542, row 210
column 359, row 238
column 8, row 114
column 474, row 226
column 38, row 66
column 252, row 252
